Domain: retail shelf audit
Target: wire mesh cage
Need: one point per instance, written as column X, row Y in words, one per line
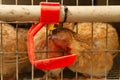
column 98, row 44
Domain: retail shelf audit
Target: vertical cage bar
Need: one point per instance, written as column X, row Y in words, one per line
column 32, row 77
column 32, row 69
column 92, row 41
column 47, row 48
column 32, row 73
column 1, row 56
column 16, row 26
column 76, row 73
column 106, row 52
column 0, row 2
column 17, row 77
column 119, row 66
column 62, row 3
column 107, row 3
column 92, row 2
column 1, row 53
column 61, row 74
column 91, row 53
column 16, row 2
column 32, row 3
column 47, row 78
column 77, row 2
column 46, row 0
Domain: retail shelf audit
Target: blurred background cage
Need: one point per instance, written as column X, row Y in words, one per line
column 114, row 73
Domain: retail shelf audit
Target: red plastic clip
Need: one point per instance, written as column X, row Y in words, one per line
column 50, row 13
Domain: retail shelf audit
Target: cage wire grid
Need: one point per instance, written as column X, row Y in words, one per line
column 114, row 73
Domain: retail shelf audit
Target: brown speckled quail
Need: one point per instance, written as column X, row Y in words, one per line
column 9, row 49
column 91, row 58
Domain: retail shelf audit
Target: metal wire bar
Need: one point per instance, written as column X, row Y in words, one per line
column 16, row 2
column 106, row 55
column 17, row 76
column 1, row 61
column 106, row 52
column 17, row 52
column 32, row 77
column 46, row 0
column 32, row 68
column 77, row 2
column 1, row 54
column 76, row 75
column 92, row 2
column 0, row 2
column 19, row 22
column 118, row 66
column 47, row 48
column 43, row 51
column 75, row 13
column 62, row 2
column 61, row 75
column 47, row 78
column 107, row 2
column 92, row 41
column 32, row 2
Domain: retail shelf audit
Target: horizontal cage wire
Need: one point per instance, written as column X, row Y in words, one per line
column 98, row 42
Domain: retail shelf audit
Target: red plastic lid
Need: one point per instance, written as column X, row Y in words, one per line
column 50, row 13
